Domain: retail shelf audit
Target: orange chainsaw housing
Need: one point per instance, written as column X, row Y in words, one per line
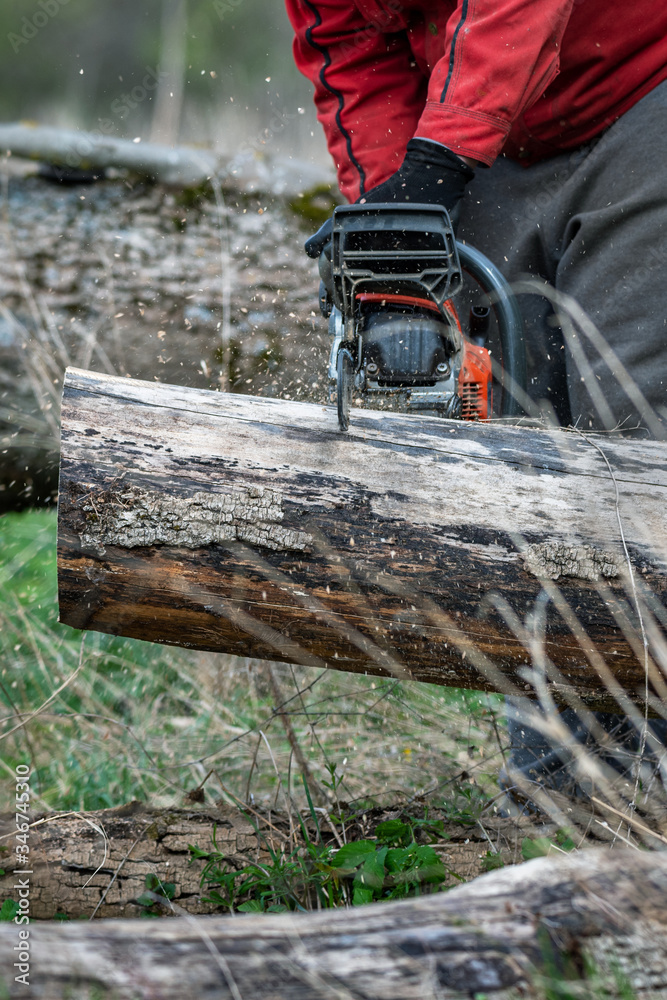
column 475, row 386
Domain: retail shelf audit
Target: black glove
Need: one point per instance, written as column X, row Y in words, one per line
column 430, row 174
column 319, row 247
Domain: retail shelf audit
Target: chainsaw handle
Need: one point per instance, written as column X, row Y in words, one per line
column 510, row 325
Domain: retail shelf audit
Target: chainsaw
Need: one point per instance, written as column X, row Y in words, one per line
column 397, row 340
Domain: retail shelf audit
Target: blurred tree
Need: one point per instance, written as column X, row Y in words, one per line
column 79, row 62
column 172, row 63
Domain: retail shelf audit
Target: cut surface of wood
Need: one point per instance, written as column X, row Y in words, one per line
column 429, row 549
column 597, row 914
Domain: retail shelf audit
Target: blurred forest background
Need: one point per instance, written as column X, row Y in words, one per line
column 225, row 69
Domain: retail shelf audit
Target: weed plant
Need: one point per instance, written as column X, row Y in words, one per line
column 319, row 875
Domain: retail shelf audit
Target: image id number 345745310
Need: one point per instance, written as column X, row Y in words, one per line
column 22, row 871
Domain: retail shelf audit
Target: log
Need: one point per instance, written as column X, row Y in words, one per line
column 74, row 149
column 125, row 276
column 594, row 923
column 436, row 550
column 96, row 863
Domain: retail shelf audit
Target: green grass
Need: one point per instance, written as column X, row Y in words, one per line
column 89, row 746
column 142, row 721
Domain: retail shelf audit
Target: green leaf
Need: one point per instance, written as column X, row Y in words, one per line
column 393, row 832
column 360, row 895
column 9, row 910
column 491, row 862
column 369, row 878
column 537, row 848
column 313, row 814
column 252, row 906
column 433, row 828
column 396, row 858
column 154, row 884
column 413, row 866
column 428, row 865
column 196, row 852
column 168, row 889
column 352, row 855
column 145, row 899
column 564, row 841
column 216, row 898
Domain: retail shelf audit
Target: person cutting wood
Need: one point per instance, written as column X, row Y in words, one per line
column 540, row 127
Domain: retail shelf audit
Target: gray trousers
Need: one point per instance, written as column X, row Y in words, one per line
column 593, row 224
column 553, row 766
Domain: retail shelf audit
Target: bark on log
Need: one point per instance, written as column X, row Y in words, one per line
column 97, row 862
column 404, row 547
column 494, row 937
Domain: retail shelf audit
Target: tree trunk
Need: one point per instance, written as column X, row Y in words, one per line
column 171, row 85
column 419, row 548
column 597, row 919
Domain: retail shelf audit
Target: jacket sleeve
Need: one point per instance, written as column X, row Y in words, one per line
column 499, row 57
column 369, row 92
column 483, row 64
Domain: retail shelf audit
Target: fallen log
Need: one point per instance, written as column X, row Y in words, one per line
column 73, row 149
column 125, row 276
column 592, row 923
column 428, row 549
column 96, row 863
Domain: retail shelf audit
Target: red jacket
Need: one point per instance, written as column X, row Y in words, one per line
column 528, row 77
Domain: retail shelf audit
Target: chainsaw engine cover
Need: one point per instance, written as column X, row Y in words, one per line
column 406, row 346
column 392, row 275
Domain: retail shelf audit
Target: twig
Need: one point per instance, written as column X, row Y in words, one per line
column 252, row 768
column 291, row 736
column 616, row 834
column 630, row 820
column 117, row 871
column 493, row 846
column 245, row 805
